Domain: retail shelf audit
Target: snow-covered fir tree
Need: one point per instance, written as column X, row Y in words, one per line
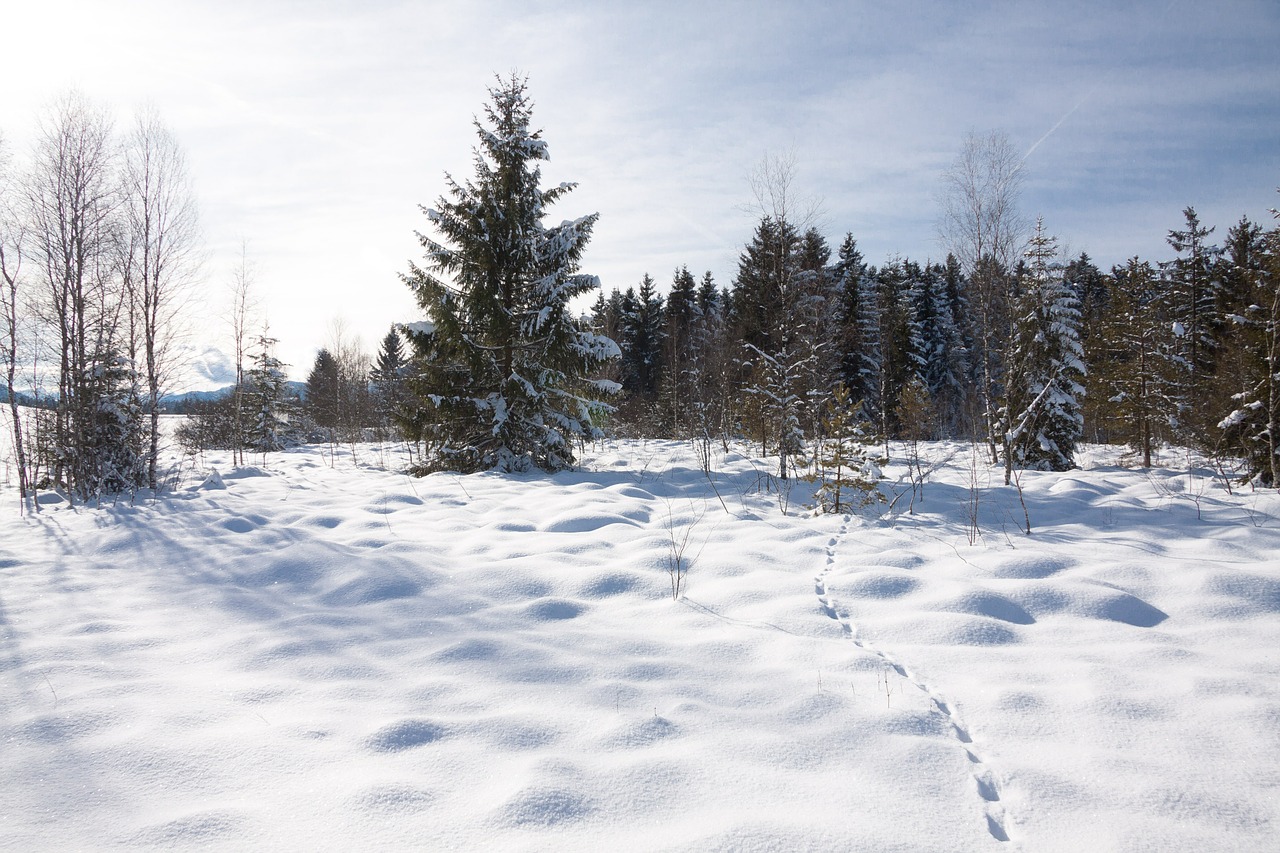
column 1041, row 415
column 938, row 348
column 114, row 444
column 265, row 393
column 846, row 475
column 1192, row 289
column 1192, row 285
column 779, row 390
column 898, row 342
column 503, row 369
column 1252, row 427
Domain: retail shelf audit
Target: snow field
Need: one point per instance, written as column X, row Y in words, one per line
column 319, row 657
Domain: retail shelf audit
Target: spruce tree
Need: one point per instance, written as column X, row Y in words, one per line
column 1192, row 288
column 1252, row 428
column 858, row 322
column 678, row 321
column 1130, row 363
column 269, row 407
column 848, row 478
column 764, row 291
column 642, row 336
column 898, row 359
column 939, row 350
column 503, row 379
column 388, row 379
column 1192, row 292
column 324, row 385
column 1041, row 417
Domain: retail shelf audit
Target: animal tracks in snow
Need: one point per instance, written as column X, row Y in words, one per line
column 985, row 782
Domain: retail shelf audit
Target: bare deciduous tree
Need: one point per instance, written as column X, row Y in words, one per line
column 162, row 256
column 981, row 226
column 72, row 200
column 243, row 308
column 11, row 239
column 979, row 198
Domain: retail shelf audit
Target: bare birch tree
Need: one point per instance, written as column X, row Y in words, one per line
column 243, row 308
column 11, row 239
column 163, row 235
column 72, row 200
column 981, row 225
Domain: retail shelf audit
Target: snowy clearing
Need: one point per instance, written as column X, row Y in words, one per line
column 306, row 656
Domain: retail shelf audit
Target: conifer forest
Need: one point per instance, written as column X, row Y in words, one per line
column 520, row 355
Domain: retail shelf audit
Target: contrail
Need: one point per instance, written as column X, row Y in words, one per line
column 1146, row 36
column 1065, row 116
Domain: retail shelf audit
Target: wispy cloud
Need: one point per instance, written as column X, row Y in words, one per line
column 315, row 129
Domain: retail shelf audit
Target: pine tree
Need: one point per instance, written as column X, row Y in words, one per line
column 1041, row 416
column 503, row 365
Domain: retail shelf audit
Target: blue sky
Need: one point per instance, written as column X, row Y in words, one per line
column 314, row 130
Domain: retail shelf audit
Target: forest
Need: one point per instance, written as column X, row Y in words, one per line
column 523, row 356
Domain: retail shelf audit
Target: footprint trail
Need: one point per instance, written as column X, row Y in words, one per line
column 986, row 783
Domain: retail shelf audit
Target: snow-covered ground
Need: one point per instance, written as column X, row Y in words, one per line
column 327, row 655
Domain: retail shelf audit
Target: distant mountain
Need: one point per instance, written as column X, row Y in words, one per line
column 29, row 398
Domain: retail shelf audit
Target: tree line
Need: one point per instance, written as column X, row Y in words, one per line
column 1016, row 346
column 808, row 348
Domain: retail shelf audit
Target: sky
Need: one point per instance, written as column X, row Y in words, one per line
column 315, row 130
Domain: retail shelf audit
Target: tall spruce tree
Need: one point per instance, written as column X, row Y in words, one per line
column 1192, row 288
column 940, row 351
column 504, row 368
column 678, row 320
column 858, row 321
column 388, row 379
column 324, row 387
column 1041, row 416
column 1129, row 362
column 642, row 335
column 1252, row 428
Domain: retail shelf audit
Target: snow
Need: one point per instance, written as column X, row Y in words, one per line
column 422, row 327
column 324, row 654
